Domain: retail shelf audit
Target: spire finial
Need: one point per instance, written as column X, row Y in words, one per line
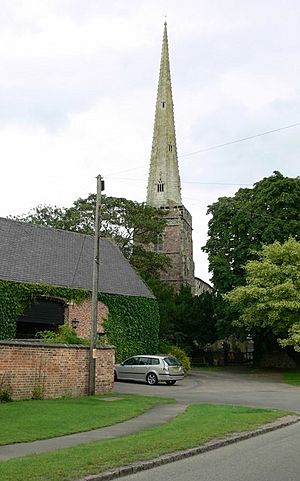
column 165, row 16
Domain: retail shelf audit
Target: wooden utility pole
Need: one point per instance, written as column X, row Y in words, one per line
column 95, row 289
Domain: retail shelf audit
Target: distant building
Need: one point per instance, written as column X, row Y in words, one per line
column 200, row 287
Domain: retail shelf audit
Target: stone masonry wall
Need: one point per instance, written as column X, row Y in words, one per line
column 61, row 370
column 178, row 245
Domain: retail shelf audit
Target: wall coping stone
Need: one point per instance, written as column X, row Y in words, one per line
column 37, row 343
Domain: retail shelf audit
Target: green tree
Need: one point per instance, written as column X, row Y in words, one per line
column 186, row 321
column 271, row 297
column 293, row 338
column 240, row 225
column 133, row 226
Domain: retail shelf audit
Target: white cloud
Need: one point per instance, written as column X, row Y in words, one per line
column 78, row 86
column 256, row 91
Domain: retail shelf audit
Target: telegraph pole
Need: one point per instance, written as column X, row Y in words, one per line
column 95, row 289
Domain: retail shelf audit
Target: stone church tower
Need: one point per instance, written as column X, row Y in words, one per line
column 164, row 190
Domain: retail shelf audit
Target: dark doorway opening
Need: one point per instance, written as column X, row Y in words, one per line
column 41, row 315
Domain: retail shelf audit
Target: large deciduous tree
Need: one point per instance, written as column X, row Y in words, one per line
column 240, row 225
column 133, row 226
column 270, row 299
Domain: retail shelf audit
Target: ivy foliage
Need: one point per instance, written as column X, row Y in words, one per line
column 132, row 325
column 16, row 297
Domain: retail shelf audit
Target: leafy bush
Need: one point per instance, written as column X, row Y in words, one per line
column 38, row 392
column 5, row 388
column 5, row 394
column 179, row 354
column 64, row 335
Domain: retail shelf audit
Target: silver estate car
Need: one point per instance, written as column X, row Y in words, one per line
column 150, row 369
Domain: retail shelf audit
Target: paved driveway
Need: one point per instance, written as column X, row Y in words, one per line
column 226, row 387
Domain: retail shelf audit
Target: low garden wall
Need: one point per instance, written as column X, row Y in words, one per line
column 34, row 369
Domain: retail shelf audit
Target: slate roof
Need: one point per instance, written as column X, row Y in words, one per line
column 43, row 255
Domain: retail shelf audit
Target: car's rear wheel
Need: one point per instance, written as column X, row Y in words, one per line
column 151, row 378
column 170, row 383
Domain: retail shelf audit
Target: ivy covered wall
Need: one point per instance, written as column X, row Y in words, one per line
column 132, row 325
column 15, row 297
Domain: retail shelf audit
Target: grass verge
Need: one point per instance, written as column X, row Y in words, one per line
column 292, row 377
column 23, row 421
column 196, row 426
column 289, row 376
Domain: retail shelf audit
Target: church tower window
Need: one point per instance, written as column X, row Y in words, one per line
column 158, row 247
column 170, row 147
column 163, row 104
column 160, row 186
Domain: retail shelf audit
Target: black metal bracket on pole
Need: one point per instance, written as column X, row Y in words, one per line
column 95, row 289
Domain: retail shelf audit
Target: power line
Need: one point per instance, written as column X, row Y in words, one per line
column 133, row 179
column 243, row 139
column 218, row 146
column 211, row 183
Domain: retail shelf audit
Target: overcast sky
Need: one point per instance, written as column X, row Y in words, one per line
column 78, row 88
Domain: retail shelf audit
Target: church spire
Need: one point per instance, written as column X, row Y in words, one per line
column 164, row 181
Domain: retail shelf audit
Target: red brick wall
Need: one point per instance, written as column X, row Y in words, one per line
column 62, row 370
column 82, row 312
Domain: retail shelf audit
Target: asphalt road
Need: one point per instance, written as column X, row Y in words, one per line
column 269, row 457
column 225, row 387
column 273, row 456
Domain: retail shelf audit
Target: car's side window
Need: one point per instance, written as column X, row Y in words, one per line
column 153, row 361
column 130, row 362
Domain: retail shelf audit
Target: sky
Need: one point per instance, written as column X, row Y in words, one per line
column 78, row 88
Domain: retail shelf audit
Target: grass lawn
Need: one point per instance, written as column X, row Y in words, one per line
column 197, row 425
column 289, row 376
column 30, row 420
column 292, row 377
